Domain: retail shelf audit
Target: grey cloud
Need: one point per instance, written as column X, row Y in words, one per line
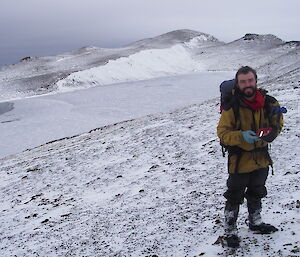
column 35, row 27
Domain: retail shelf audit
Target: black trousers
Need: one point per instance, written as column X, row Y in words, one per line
column 247, row 185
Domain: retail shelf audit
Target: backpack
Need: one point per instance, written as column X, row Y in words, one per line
column 228, row 100
column 226, row 88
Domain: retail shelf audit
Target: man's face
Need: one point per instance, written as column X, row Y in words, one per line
column 247, row 84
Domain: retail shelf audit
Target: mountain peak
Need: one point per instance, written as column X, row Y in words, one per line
column 293, row 43
column 250, row 36
column 258, row 40
column 187, row 34
column 261, row 37
column 174, row 37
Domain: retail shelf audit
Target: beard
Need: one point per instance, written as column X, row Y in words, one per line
column 248, row 91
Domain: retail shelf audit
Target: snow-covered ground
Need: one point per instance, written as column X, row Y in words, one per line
column 137, row 185
column 146, row 187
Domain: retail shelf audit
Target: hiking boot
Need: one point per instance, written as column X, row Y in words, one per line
column 263, row 228
column 231, row 214
column 255, row 217
column 232, row 241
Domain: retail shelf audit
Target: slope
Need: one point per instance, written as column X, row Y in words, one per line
column 144, row 187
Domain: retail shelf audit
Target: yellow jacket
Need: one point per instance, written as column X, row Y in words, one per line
column 248, row 157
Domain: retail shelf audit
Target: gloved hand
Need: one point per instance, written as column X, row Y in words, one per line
column 250, row 136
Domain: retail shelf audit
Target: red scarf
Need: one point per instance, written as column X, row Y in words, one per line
column 257, row 103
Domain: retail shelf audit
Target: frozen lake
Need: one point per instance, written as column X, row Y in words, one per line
column 30, row 122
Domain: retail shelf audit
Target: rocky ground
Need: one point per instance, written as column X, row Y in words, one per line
column 146, row 187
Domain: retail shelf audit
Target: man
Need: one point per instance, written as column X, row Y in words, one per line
column 249, row 110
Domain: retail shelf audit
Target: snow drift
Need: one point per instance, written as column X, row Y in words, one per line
column 143, row 65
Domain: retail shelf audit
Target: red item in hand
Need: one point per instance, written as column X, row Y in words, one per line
column 262, row 132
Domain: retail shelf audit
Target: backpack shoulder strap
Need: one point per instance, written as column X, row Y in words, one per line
column 236, row 111
column 234, row 104
column 268, row 101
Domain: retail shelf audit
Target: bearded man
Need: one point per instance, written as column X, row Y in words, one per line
column 247, row 124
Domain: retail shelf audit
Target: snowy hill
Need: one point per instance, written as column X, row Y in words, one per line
column 201, row 53
column 174, row 53
column 175, row 37
column 258, row 41
column 285, row 66
column 39, row 75
column 145, row 187
column 253, row 50
column 143, row 65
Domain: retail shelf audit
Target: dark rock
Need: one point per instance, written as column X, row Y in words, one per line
column 27, row 58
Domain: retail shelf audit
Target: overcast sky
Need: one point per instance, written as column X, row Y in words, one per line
column 47, row 27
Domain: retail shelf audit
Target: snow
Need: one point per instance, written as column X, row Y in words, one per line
column 143, row 65
column 148, row 177
column 149, row 186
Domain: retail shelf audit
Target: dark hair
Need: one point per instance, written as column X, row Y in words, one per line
column 245, row 70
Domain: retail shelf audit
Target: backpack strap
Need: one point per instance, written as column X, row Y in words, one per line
column 268, row 101
column 234, row 104
column 236, row 111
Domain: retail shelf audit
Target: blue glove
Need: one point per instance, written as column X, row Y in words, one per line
column 250, row 136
